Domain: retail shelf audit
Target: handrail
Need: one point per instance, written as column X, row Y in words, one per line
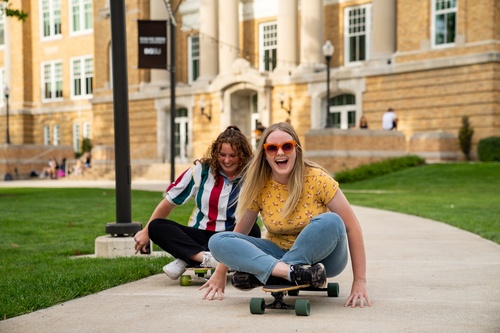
column 34, row 158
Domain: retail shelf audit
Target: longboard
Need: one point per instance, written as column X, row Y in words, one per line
column 302, row 307
column 200, row 274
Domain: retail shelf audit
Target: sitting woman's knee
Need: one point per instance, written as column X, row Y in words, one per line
column 332, row 221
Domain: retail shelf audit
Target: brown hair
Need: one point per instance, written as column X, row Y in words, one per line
column 238, row 142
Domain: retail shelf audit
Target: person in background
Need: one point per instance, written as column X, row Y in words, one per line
column 259, row 129
column 213, row 183
column 51, row 170
column 308, row 219
column 389, row 120
column 61, row 169
column 363, row 123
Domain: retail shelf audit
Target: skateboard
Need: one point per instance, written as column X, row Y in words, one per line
column 302, row 307
column 200, row 275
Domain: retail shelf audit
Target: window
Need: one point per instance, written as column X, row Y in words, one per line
column 52, row 81
column 268, row 37
column 56, row 136
column 444, row 22
column 194, row 57
column 86, row 130
column 357, row 22
column 341, row 112
column 181, row 133
column 50, row 18
column 46, row 135
column 82, row 75
column 81, row 16
column 76, row 138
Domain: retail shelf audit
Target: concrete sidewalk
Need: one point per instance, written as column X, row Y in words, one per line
column 423, row 276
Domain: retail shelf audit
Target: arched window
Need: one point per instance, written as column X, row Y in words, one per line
column 341, row 112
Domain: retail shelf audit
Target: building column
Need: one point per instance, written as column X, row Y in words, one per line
column 228, row 34
column 209, row 62
column 287, row 36
column 384, row 31
column 311, row 35
column 7, row 59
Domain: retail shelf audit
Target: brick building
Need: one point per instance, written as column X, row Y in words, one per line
column 249, row 61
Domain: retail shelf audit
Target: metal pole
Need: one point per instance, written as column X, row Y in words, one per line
column 172, row 99
column 328, row 84
column 124, row 226
column 7, row 138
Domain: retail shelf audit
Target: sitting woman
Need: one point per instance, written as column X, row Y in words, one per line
column 213, row 182
column 308, row 219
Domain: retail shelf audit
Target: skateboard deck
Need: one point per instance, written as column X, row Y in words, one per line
column 302, row 307
column 200, row 273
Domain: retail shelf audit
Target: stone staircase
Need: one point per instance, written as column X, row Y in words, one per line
column 152, row 171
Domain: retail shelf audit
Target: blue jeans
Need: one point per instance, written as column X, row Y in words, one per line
column 322, row 240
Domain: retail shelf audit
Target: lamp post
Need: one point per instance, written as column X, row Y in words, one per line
column 328, row 52
column 6, row 93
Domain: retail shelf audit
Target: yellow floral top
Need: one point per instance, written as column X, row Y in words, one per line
column 319, row 189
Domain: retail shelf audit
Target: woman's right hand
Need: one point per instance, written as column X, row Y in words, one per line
column 141, row 240
column 216, row 284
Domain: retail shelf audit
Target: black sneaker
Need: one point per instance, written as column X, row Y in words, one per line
column 245, row 281
column 314, row 276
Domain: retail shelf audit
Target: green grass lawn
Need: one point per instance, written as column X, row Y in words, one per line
column 466, row 195
column 43, row 230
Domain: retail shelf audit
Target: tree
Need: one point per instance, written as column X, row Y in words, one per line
column 465, row 137
column 8, row 11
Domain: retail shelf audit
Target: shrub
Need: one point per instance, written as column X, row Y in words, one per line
column 371, row 170
column 465, row 137
column 86, row 147
column 488, row 149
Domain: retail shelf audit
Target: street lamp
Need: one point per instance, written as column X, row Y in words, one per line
column 6, row 93
column 328, row 52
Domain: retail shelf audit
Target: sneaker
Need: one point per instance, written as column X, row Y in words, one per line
column 245, row 281
column 209, row 261
column 314, row 276
column 175, row 269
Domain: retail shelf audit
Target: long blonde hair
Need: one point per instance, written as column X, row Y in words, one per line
column 258, row 172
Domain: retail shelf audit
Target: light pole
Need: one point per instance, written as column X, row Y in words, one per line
column 6, row 93
column 328, row 52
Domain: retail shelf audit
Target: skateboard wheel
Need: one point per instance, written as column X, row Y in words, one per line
column 302, row 307
column 333, row 289
column 185, row 280
column 293, row 292
column 257, row 305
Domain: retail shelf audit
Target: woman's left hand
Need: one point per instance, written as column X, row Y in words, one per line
column 358, row 293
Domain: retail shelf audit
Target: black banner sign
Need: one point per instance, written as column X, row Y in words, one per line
column 152, row 44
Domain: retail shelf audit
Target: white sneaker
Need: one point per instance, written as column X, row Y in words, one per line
column 175, row 268
column 209, row 261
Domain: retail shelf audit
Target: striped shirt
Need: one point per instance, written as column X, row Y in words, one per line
column 215, row 205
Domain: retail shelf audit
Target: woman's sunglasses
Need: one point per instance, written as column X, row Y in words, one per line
column 287, row 147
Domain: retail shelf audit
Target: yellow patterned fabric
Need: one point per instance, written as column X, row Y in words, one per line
column 319, row 189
